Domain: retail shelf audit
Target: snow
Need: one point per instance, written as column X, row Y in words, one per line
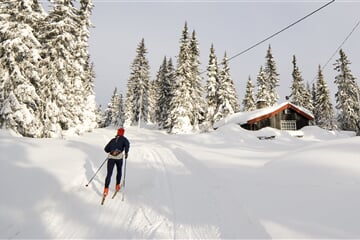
column 219, row 185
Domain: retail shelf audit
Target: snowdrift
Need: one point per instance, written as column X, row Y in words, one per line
column 224, row 184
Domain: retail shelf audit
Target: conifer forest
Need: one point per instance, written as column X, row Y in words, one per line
column 47, row 80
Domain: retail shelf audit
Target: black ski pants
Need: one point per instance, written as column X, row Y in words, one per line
column 110, row 167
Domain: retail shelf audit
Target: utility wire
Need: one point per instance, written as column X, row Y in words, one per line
column 278, row 32
column 337, row 50
column 273, row 35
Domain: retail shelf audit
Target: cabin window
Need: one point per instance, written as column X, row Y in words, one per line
column 288, row 124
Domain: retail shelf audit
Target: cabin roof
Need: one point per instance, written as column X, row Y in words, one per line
column 263, row 113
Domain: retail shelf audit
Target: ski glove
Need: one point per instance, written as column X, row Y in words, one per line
column 126, row 155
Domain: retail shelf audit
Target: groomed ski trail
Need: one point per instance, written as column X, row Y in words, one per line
column 168, row 195
column 171, row 195
column 192, row 202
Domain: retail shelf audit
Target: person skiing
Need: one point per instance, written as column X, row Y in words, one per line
column 117, row 148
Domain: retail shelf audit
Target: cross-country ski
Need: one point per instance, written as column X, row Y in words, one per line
column 114, row 195
column 103, row 200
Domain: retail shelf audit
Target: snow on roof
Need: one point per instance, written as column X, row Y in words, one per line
column 245, row 117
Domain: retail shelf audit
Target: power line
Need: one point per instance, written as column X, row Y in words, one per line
column 278, row 32
column 337, row 50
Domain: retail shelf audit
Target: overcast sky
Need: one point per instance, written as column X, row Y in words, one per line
column 232, row 26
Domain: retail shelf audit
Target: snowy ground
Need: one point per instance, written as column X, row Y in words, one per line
column 225, row 184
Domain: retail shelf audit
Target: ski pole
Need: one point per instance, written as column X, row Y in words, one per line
column 123, row 182
column 124, row 173
column 96, row 173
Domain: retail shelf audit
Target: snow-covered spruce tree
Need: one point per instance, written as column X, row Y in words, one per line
column 323, row 110
column 114, row 113
column 347, row 96
column 262, row 94
column 212, row 88
column 90, row 115
column 116, row 109
column 248, row 101
column 62, row 85
column 298, row 86
column 82, row 93
column 163, row 90
column 86, row 68
column 68, row 75
column 121, row 113
column 131, row 116
column 308, row 102
column 233, row 96
column 99, row 116
column 107, row 116
column 272, row 77
column 181, row 114
column 196, row 90
column 169, row 89
column 153, row 96
column 228, row 101
column 19, row 76
column 137, row 102
column 313, row 94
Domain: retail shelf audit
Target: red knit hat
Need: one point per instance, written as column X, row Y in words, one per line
column 120, row 132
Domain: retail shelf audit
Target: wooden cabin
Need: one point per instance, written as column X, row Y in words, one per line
column 286, row 116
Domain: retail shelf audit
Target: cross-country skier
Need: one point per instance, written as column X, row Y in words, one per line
column 117, row 148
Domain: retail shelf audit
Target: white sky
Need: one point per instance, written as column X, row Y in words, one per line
column 232, row 26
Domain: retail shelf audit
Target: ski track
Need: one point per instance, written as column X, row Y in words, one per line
column 215, row 190
column 173, row 177
column 173, row 192
column 167, row 172
column 198, row 211
column 155, row 157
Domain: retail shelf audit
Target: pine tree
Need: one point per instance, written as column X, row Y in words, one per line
column 181, row 114
column 116, row 112
column 62, row 85
column 196, row 90
column 86, row 73
column 262, row 94
column 19, row 76
column 232, row 94
column 323, row 110
column 169, row 89
column 212, row 87
column 272, row 77
column 298, row 86
column 164, row 92
column 121, row 112
column 99, row 116
column 137, row 101
column 228, row 101
column 308, row 102
column 313, row 93
column 153, row 96
column 347, row 96
column 52, row 66
column 107, row 117
column 159, row 94
column 248, row 101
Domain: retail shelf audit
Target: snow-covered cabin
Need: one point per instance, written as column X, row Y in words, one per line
column 285, row 116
